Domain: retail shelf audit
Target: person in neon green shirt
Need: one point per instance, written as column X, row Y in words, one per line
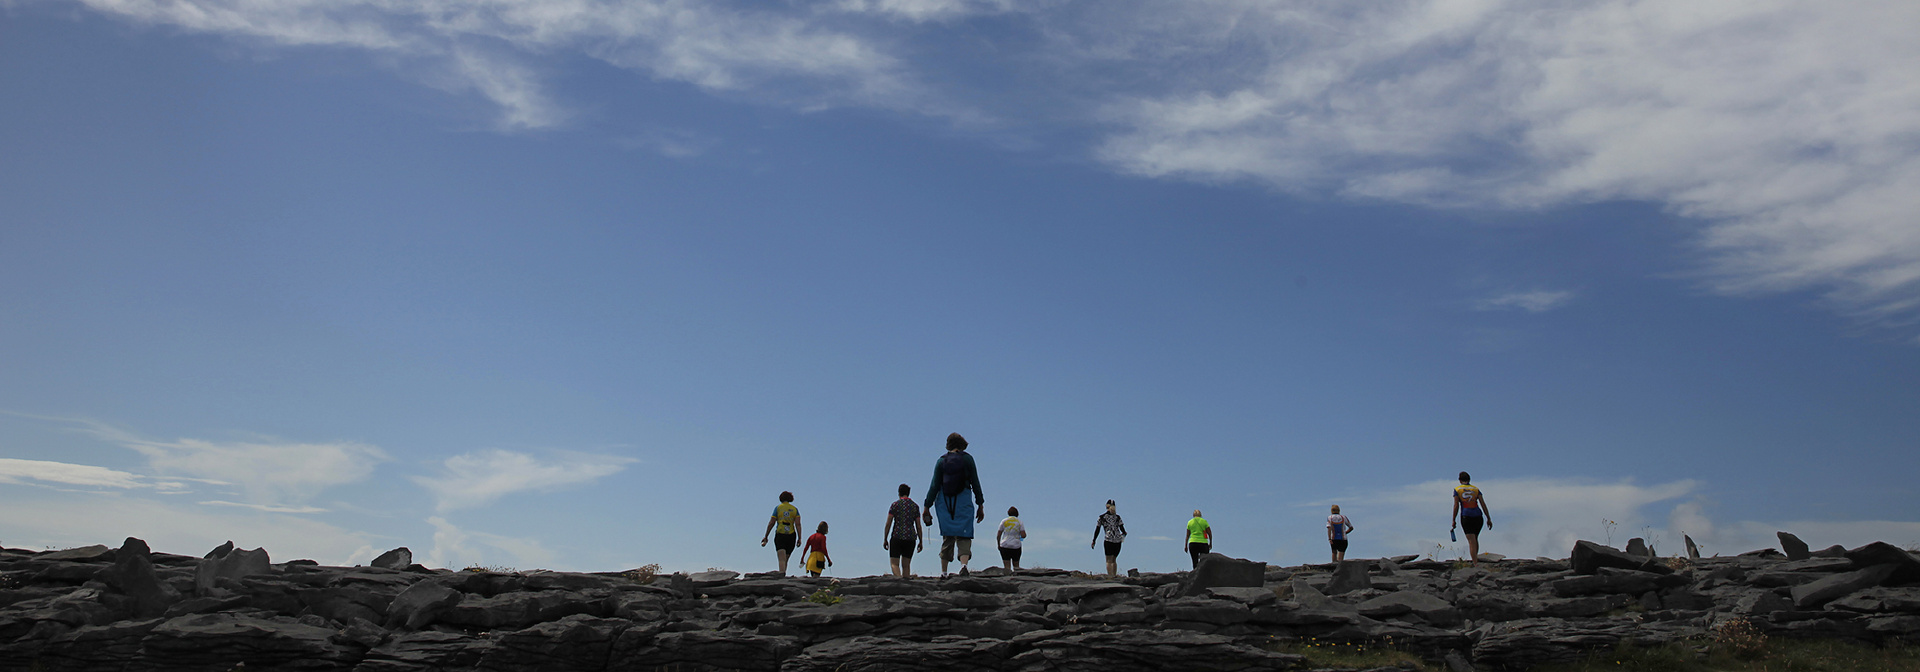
column 1199, row 538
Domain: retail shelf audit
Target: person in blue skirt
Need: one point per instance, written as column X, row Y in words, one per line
column 956, row 491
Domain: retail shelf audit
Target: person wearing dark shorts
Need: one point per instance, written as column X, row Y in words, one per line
column 1115, row 531
column 785, row 528
column 902, row 534
column 1011, row 535
column 1337, row 528
column 1199, row 537
column 1470, row 508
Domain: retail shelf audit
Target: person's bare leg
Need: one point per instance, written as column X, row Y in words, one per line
column 783, row 561
column 1113, row 565
column 1473, row 549
column 894, row 565
column 906, row 566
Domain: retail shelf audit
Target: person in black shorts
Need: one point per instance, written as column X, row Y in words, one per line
column 1470, row 510
column 784, row 525
column 1116, row 532
column 1338, row 526
column 902, row 535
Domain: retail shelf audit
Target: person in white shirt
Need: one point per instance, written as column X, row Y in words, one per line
column 1010, row 534
column 1337, row 528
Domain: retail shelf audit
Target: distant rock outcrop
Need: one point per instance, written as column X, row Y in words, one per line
column 101, row 608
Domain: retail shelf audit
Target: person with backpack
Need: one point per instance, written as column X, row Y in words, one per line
column 1337, row 529
column 785, row 528
column 1199, row 537
column 1010, row 534
column 901, row 535
column 1116, row 532
column 1469, row 510
column 954, row 479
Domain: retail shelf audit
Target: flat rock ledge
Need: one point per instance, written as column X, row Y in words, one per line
column 131, row 609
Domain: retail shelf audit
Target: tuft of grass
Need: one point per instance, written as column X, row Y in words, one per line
column 491, row 569
column 644, row 574
column 1779, row 655
column 1349, row 655
column 826, row 595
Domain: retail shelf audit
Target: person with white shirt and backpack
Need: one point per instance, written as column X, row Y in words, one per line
column 1337, row 528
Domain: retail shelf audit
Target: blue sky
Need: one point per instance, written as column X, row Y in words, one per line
column 584, row 285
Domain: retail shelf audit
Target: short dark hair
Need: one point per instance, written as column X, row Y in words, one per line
column 1013, row 511
column 823, row 527
column 1464, row 477
column 956, row 442
column 786, row 496
column 905, row 489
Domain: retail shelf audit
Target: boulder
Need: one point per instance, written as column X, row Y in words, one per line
column 417, row 606
column 426, row 651
column 1834, row 551
column 709, row 650
column 1589, row 557
column 1907, row 567
column 880, row 654
column 1431, row 609
column 1248, row 596
column 1220, row 571
column 220, row 551
column 399, row 558
column 1349, row 576
column 1693, row 551
column 711, row 578
column 94, row 553
column 132, row 575
column 1792, row 546
column 1630, row 582
column 575, row 643
column 1209, row 611
column 1638, row 546
column 1818, row 593
column 219, row 641
column 234, row 565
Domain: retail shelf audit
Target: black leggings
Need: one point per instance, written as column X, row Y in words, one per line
column 1197, row 550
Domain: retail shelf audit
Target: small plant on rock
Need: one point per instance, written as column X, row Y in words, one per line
column 490, row 569
column 645, row 574
column 826, row 595
column 1740, row 637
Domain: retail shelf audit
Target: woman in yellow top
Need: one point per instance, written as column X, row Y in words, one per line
column 1469, row 509
column 1199, row 538
column 785, row 528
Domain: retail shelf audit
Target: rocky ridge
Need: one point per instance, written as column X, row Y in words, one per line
column 100, row 608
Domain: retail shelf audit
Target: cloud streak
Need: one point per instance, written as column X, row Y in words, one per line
column 478, row 478
column 1536, row 301
column 16, row 471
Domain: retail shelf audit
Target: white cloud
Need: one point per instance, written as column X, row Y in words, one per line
column 13, row 471
column 266, row 508
column 489, row 46
column 1788, row 125
column 925, row 10
column 77, row 519
column 1536, row 301
column 268, row 472
column 456, row 548
column 475, row 479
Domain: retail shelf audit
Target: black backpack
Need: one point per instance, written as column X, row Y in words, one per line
column 953, row 477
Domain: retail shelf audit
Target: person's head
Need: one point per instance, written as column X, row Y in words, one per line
column 956, row 442
column 822, row 528
column 1196, row 513
column 905, row 489
column 1336, row 508
column 1013, row 511
column 1465, row 478
column 786, row 496
column 1109, row 506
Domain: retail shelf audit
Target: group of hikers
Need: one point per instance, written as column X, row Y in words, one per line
column 955, row 500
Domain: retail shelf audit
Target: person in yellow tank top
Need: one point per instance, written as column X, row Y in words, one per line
column 1469, row 511
column 1199, row 537
column 784, row 526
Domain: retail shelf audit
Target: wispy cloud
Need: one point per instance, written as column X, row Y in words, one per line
column 14, row 471
column 1786, row 125
column 1536, row 301
column 265, row 508
column 475, row 479
column 270, row 472
column 74, row 519
column 454, row 547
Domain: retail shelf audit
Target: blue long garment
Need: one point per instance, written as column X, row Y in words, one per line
column 955, row 514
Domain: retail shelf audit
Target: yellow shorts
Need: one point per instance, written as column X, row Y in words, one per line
column 816, row 562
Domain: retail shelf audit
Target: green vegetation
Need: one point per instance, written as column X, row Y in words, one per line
column 1328, row 654
column 826, row 595
column 1776, row 655
column 491, row 569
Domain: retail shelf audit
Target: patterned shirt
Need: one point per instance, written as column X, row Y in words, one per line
column 1116, row 530
column 904, row 511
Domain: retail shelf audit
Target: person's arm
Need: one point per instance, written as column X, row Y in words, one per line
column 1329, row 530
column 1096, row 534
column 934, row 487
column 1209, row 534
column 919, row 535
column 770, row 521
column 1484, row 511
column 1349, row 522
column 1023, row 530
column 973, row 479
column 1453, row 520
column 886, row 530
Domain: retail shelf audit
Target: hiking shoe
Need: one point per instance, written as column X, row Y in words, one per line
column 963, row 570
